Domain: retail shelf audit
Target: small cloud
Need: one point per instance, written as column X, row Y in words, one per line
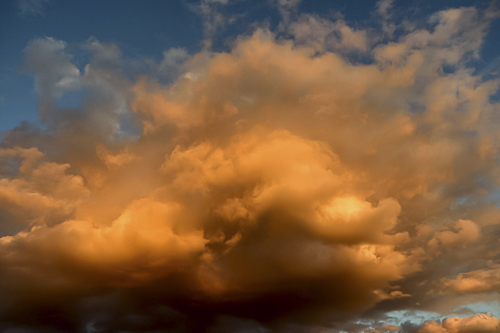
column 213, row 18
column 172, row 62
column 288, row 9
column 383, row 7
column 31, row 7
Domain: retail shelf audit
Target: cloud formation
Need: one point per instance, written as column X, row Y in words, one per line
column 281, row 185
column 481, row 323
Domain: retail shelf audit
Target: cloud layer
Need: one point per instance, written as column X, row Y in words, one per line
column 283, row 185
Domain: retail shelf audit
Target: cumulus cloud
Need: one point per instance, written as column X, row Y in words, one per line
column 467, row 231
column 478, row 281
column 480, row 323
column 172, row 61
column 277, row 186
column 54, row 72
column 39, row 192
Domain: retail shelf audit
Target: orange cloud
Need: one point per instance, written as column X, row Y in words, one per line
column 280, row 181
column 483, row 323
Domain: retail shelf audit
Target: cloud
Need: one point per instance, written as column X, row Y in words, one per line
column 384, row 8
column 288, row 10
column 478, row 281
column 468, row 231
column 277, row 186
column 172, row 61
column 326, row 35
column 54, row 73
column 483, row 323
column 41, row 192
column 31, row 7
column 213, row 16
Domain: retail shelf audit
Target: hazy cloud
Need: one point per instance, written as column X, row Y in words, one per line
column 213, row 16
column 32, row 7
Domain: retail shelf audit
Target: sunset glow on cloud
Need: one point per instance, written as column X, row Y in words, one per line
column 317, row 175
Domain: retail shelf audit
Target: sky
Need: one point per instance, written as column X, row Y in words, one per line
column 250, row 166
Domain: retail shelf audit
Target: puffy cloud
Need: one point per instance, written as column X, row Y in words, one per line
column 54, row 73
column 114, row 160
column 277, row 185
column 303, row 206
column 39, row 193
column 172, row 62
column 147, row 238
column 478, row 281
column 483, row 323
column 325, row 35
column 468, row 231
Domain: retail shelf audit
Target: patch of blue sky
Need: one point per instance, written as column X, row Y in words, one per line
column 482, row 307
column 417, row 317
column 18, row 100
column 460, row 201
column 494, row 196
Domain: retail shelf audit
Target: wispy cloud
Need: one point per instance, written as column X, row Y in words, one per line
column 32, row 7
column 213, row 16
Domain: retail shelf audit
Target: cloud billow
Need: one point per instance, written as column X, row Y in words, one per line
column 278, row 186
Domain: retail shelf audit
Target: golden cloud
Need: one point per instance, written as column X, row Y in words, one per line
column 280, row 181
